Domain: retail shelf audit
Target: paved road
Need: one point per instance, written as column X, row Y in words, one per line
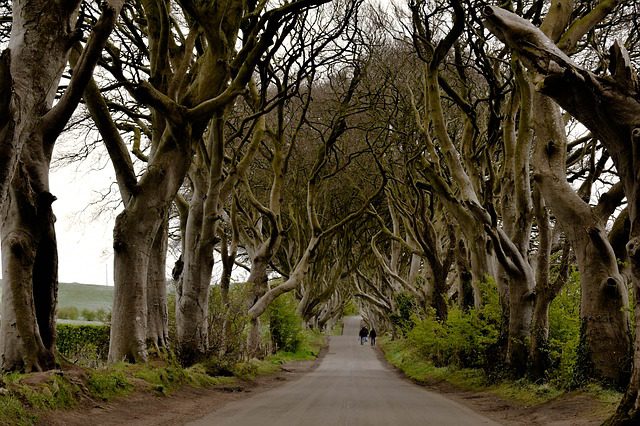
column 350, row 387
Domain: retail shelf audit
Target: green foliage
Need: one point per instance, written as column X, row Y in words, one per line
column 404, row 356
column 163, row 379
column 564, row 334
column 472, row 339
column 462, row 340
column 69, row 312
column 108, row 383
column 402, row 318
column 218, row 367
column 84, row 344
column 101, row 315
column 284, row 325
column 311, row 342
column 88, row 315
column 228, row 324
column 197, row 376
column 26, row 393
column 55, row 393
column 247, row 370
column 349, row 308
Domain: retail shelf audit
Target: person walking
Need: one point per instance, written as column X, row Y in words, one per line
column 372, row 336
column 364, row 332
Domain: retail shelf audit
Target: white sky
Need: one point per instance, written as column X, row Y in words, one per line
column 84, row 239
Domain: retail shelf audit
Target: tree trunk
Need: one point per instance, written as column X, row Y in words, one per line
column 466, row 299
column 605, row 341
column 258, row 286
column 30, row 264
column 192, row 302
column 546, row 291
column 157, row 315
column 30, row 70
column 611, row 113
column 132, row 243
column 133, row 235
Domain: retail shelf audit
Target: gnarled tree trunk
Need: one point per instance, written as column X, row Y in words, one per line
column 30, row 274
column 30, row 71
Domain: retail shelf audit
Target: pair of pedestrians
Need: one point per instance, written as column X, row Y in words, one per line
column 364, row 333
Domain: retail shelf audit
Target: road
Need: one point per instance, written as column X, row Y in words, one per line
column 350, row 387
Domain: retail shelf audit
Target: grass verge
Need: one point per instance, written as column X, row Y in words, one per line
column 520, row 392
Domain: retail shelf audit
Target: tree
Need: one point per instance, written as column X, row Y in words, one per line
column 607, row 107
column 192, row 79
column 31, row 69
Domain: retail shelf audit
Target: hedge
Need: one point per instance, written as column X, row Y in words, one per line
column 83, row 341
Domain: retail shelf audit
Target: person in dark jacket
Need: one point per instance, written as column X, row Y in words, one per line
column 364, row 332
column 372, row 336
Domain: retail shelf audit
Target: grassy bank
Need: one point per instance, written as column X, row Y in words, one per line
column 23, row 397
column 400, row 354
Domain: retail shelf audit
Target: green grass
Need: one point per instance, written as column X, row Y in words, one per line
column 522, row 392
column 110, row 382
column 309, row 348
column 14, row 413
column 85, row 296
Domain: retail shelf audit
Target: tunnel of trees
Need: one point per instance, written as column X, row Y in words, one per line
column 421, row 160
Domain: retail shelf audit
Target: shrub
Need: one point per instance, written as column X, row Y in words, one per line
column 464, row 339
column 402, row 318
column 349, row 308
column 107, row 384
column 564, row 334
column 284, row 325
column 88, row 315
column 228, row 323
column 68, row 312
column 86, row 344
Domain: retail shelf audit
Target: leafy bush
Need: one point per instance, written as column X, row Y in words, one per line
column 564, row 333
column 406, row 309
column 86, row 344
column 228, row 323
column 88, row 315
column 68, row 312
column 14, row 413
column 464, row 339
column 284, row 325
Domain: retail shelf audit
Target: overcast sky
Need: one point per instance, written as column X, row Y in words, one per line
column 84, row 237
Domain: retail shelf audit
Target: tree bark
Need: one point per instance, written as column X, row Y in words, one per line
column 30, row 69
column 133, row 235
column 30, row 265
column 157, row 314
column 605, row 342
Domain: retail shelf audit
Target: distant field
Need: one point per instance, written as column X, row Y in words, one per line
column 84, row 296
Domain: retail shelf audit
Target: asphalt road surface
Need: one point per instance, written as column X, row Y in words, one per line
column 350, row 387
